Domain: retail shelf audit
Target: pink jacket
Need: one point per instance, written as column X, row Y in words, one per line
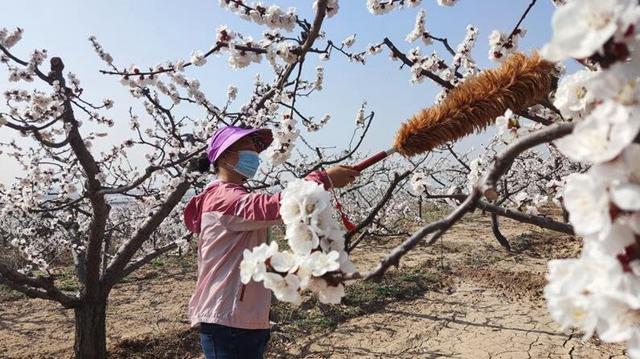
column 229, row 220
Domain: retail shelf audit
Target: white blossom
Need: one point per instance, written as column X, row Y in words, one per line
column 317, row 85
column 284, row 288
column 331, row 294
column 9, row 39
column 105, row 56
column 284, row 138
column 587, row 202
column 321, row 263
column 224, row 34
column 349, row 41
column 580, row 28
column 107, row 103
column 301, row 238
column 419, row 31
column 360, row 116
column 419, row 183
column 600, row 137
column 447, row 2
column 273, row 16
column 283, row 262
column 572, row 97
column 501, row 44
column 198, row 59
column 232, row 92
column 253, row 263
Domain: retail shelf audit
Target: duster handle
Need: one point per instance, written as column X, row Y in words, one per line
column 373, row 159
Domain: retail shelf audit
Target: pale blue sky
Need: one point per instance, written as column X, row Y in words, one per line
column 147, row 32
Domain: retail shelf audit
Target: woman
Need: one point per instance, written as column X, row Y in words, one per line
column 234, row 318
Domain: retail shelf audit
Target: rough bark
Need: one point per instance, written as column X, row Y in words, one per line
column 90, row 335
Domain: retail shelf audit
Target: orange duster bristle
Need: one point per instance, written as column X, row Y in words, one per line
column 520, row 82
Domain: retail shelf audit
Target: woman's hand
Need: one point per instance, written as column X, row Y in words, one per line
column 342, row 175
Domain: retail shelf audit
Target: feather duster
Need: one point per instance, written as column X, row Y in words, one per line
column 520, row 82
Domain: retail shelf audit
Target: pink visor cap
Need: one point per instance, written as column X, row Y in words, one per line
column 225, row 137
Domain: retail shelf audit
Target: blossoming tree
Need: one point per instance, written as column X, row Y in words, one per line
column 63, row 203
column 592, row 133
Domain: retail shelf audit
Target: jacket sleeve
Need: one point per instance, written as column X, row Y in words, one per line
column 192, row 213
column 256, row 210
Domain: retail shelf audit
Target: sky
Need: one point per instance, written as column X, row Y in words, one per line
column 150, row 32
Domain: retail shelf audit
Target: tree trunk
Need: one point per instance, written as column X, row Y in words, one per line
column 91, row 339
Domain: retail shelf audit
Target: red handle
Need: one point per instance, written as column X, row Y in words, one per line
column 371, row 161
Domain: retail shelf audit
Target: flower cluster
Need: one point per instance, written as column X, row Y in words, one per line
column 419, row 183
column 379, row 7
column 423, row 64
column 224, row 34
column 332, row 7
column 582, row 29
column 613, row 122
column 105, row 56
column 557, row 3
column 197, row 58
column 312, row 126
column 232, row 93
column 360, row 117
column 284, row 138
column 510, row 127
column 9, row 39
column 243, row 50
column 37, row 107
column 599, row 291
column 316, row 258
column 287, row 51
column 476, row 169
column 37, row 58
column 573, row 97
column 16, row 74
column 241, row 55
column 273, row 16
column 463, row 57
column 374, row 49
column 349, row 41
column 502, row 44
column 317, row 85
column 419, row 31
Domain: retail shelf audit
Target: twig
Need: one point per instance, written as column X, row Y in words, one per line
column 397, row 53
column 374, row 212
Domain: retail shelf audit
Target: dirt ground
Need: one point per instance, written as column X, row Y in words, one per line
column 492, row 309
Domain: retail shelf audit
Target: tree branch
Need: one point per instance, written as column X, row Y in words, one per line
column 97, row 200
column 397, row 53
column 148, row 258
column 311, row 38
column 495, row 228
column 374, row 212
column 500, row 166
column 38, row 287
column 130, row 247
column 542, row 222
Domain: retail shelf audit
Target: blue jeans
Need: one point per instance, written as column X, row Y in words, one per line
column 222, row 342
